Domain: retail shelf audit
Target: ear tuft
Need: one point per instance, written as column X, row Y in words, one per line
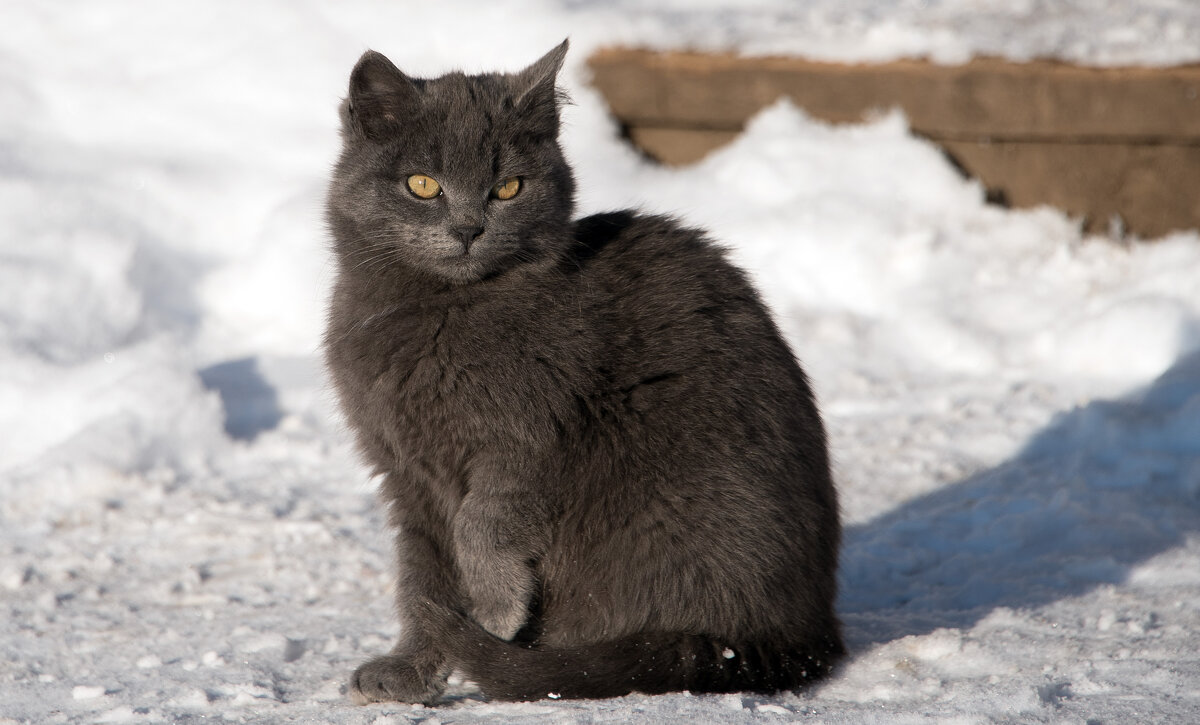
column 543, row 70
column 380, row 96
column 534, row 89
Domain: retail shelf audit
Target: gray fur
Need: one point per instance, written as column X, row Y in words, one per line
column 595, row 446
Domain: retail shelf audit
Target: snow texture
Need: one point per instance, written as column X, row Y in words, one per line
column 185, row 534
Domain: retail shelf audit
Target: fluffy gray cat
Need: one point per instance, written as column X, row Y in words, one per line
column 605, row 469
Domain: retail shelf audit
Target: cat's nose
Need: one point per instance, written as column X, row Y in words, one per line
column 467, row 234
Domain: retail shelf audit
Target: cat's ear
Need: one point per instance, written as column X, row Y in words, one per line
column 536, row 97
column 380, row 96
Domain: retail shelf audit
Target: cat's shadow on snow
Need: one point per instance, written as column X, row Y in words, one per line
column 250, row 402
column 1099, row 490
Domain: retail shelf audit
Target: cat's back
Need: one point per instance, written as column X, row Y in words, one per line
column 667, row 300
column 692, row 375
column 703, row 428
column 641, row 253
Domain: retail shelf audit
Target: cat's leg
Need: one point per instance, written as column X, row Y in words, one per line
column 417, row 668
column 499, row 534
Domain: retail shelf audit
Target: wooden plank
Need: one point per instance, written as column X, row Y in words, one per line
column 678, row 145
column 1151, row 188
column 985, row 98
column 1099, row 143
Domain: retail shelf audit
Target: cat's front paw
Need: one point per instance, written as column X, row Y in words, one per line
column 504, row 621
column 394, row 678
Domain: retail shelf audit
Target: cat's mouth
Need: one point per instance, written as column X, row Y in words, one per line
column 461, row 257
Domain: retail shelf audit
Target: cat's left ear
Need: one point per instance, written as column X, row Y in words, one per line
column 381, row 96
column 536, row 96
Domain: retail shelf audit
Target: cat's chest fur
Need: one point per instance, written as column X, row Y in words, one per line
column 454, row 374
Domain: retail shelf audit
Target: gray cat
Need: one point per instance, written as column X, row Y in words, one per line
column 605, row 469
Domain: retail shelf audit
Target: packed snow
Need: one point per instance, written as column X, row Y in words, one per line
column 186, row 534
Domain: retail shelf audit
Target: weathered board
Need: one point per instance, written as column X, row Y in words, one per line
column 1099, row 143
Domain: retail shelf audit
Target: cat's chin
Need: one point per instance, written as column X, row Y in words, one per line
column 464, row 269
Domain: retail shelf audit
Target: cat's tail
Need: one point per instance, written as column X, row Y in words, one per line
column 647, row 663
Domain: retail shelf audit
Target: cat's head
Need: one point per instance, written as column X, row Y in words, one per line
column 460, row 177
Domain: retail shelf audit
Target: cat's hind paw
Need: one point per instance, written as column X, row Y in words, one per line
column 393, row 678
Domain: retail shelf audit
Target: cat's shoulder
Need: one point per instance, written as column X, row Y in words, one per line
column 631, row 239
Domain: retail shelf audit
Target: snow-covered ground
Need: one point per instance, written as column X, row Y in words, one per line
column 185, row 534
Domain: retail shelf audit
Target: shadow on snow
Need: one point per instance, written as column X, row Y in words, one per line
column 1102, row 488
column 250, row 401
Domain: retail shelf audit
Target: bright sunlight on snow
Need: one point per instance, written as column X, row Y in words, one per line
column 185, row 533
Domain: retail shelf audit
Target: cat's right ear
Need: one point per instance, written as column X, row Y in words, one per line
column 536, row 95
column 380, row 96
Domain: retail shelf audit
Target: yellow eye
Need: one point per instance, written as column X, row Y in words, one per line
column 507, row 189
column 424, row 186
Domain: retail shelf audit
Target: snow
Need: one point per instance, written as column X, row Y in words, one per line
column 1094, row 32
column 185, row 533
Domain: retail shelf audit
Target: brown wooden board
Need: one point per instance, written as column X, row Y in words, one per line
column 1096, row 142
